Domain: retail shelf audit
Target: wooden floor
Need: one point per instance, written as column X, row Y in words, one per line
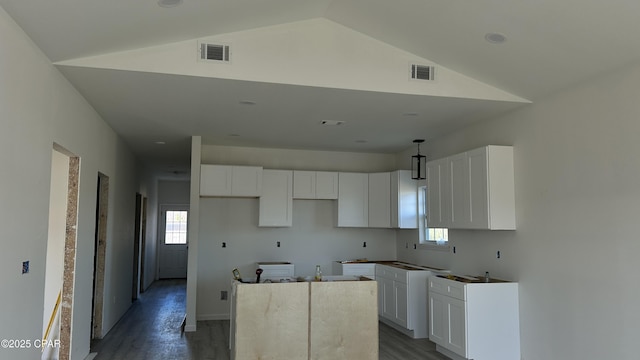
column 151, row 330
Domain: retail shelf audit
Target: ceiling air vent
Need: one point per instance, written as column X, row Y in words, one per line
column 422, row 72
column 214, row 52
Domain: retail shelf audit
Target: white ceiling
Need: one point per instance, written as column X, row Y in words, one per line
column 550, row 45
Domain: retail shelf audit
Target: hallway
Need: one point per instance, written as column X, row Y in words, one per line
column 150, row 330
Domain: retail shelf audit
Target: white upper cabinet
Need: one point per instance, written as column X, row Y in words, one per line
column 315, row 185
column 459, row 196
column 492, row 188
column 326, row 185
column 438, row 193
column 276, row 202
column 353, row 199
column 227, row 180
column 380, row 200
column 472, row 190
column 404, row 200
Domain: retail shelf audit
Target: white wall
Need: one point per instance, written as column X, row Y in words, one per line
column 173, row 192
column 575, row 249
column 313, row 239
column 38, row 108
column 283, row 54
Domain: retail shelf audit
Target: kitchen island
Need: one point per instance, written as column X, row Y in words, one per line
column 305, row 320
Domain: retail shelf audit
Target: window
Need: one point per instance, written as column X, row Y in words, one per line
column 175, row 227
column 428, row 235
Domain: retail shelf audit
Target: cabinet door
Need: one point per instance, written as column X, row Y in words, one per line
column 276, row 201
column 246, row 181
column 438, row 193
column 478, row 189
column 215, row 180
column 404, row 200
column 380, row 200
column 326, row 185
column 388, row 299
column 438, row 318
column 304, row 184
column 456, row 326
column 401, row 300
column 459, row 181
column 353, row 200
column 380, row 295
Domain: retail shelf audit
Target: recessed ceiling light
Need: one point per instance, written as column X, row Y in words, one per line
column 169, row 3
column 495, row 38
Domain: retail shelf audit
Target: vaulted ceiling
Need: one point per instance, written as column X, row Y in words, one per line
column 550, row 45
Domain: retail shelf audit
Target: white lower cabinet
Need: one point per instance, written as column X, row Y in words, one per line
column 354, row 269
column 477, row 321
column 402, row 295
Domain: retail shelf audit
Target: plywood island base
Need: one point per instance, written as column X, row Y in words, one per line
column 305, row 320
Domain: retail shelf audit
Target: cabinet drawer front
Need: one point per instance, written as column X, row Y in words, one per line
column 385, row 271
column 391, row 272
column 456, row 290
column 447, row 287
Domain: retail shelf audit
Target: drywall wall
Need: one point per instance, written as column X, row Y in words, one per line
column 38, row 108
column 289, row 159
column 174, row 192
column 575, row 249
column 312, row 240
column 340, row 57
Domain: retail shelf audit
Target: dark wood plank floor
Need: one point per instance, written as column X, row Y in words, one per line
column 151, row 330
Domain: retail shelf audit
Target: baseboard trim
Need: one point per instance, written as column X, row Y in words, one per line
column 448, row 353
column 206, row 317
column 409, row 333
column 189, row 328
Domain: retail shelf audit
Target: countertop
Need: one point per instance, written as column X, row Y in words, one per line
column 393, row 263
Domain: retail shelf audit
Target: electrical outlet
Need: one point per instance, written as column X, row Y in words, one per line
column 223, row 295
column 278, row 244
column 498, row 254
column 454, row 249
column 224, row 244
column 25, row 267
column 364, row 244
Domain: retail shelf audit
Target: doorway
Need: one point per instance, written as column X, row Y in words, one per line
column 137, row 235
column 102, row 211
column 61, row 252
column 172, row 241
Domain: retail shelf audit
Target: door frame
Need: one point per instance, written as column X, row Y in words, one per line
column 102, row 211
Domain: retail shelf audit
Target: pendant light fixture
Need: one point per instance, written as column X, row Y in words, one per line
column 418, row 163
